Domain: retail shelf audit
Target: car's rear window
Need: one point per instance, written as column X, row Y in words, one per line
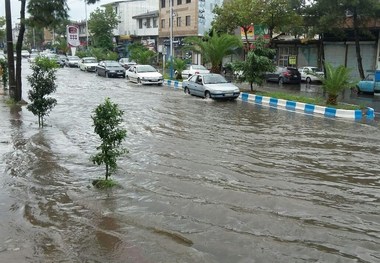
column 292, row 70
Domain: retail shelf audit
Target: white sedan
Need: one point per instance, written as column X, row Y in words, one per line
column 213, row 86
column 88, row 64
column 144, row 74
column 193, row 70
column 311, row 74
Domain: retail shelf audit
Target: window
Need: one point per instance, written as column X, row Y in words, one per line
column 188, row 1
column 187, row 20
column 179, row 21
column 163, row 3
column 284, row 53
column 155, row 22
column 179, row 2
column 140, row 23
column 162, row 23
column 148, row 23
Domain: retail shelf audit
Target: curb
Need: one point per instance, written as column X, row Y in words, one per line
column 310, row 109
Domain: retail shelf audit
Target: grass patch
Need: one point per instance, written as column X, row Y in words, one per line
column 104, row 184
column 316, row 101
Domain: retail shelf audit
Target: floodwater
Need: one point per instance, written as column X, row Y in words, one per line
column 203, row 181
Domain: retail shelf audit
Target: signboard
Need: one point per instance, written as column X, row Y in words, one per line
column 292, row 60
column 255, row 32
column 73, row 36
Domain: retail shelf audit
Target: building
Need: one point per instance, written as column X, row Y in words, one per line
column 128, row 29
column 147, row 32
column 191, row 18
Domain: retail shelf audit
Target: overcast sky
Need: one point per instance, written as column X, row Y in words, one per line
column 77, row 9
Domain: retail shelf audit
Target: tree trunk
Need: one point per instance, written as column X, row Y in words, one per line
column 357, row 45
column 107, row 172
column 11, row 61
column 332, row 99
column 20, row 39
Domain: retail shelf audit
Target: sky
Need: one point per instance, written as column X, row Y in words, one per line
column 77, row 9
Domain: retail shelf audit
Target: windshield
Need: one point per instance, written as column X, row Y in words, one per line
column 214, row 79
column 112, row 64
column 73, row 58
column 145, row 68
column 89, row 61
column 199, row 67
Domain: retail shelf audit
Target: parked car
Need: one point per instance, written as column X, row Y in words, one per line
column 126, row 63
column 210, row 85
column 88, row 64
column 25, row 53
column 284, row 75
column 311, row 74
column 72, row 61
column 61, row 60
column 367, row 84
column 192, row 70
column 144, row 74
column 110, row 68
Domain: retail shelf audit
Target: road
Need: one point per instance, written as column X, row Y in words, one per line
column 204, row 181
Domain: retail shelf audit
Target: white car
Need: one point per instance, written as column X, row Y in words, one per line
column 144, row 74
column 311, row 74
column 210, row 86
column 193, row 70
column 88, row 64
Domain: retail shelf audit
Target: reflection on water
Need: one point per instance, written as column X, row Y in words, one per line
column 204, row 181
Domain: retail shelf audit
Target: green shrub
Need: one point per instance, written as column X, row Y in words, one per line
column 107, row 118
column 42, row 82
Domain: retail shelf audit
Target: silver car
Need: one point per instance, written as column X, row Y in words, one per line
column 210, row 85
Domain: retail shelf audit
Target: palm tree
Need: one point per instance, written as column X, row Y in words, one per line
column 336, row 80
column 214, row 48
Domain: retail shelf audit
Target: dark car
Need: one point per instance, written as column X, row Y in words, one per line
column 110, row 68
column 284, row 75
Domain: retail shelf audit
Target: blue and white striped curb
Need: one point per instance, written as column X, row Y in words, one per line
column 173, row 83
column 310, row 109
column 368, row 113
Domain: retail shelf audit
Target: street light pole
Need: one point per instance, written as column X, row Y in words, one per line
column 85, row 10
column 171, row 24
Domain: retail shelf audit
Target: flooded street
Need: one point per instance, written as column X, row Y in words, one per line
column 204, row 181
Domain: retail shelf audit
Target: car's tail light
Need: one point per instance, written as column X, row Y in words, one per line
column 196, row 72
column 287, row 74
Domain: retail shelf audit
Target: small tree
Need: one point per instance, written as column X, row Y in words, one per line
column 141, row 54
column 42, row 82
column 336, row 80
column 179, row 65
column 107, row 118
column 259, row 61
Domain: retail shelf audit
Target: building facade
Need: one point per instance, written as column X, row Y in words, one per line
column 190, row 18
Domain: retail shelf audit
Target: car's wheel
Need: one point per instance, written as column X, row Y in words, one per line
column 280, row 81
column 207, row 95
column 138, row 81
column 127, row 77
column 356, row 90
column 107, row 75
column 308, row 80
column 186, row 90
column 124, row 76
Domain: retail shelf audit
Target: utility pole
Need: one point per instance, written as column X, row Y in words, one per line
column 171, row 24
column 11, row 61
column 85, row 10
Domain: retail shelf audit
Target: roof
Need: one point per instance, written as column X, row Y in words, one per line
column 147, row 14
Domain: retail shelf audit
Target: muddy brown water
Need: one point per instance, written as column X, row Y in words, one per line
column 204, row 181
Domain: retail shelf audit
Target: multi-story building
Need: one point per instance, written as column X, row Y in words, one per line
column 147, row 32
column 128, row 29
column 190, row 17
